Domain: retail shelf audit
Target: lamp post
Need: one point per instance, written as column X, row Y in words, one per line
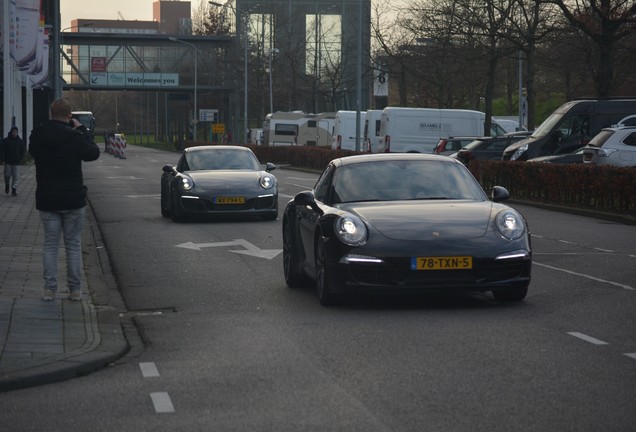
column 245, row 76
column 195, row 116
column 272, row 51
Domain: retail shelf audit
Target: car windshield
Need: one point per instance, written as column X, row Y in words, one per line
column 222, row 160
column 601, row 138
column 548, row 124
column 392, row 180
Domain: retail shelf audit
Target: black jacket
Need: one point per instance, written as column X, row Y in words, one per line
column 58, row 151
column 12, row 150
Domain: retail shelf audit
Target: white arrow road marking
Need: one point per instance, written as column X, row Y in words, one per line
column 250, row 248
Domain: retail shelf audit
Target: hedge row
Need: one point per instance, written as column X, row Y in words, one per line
column 603, row 188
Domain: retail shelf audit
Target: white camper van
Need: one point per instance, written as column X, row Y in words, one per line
column 298, row 128
column 344, row 132
column 372, row 130
column 317, row 130
column 418, row 130
column 281, row 128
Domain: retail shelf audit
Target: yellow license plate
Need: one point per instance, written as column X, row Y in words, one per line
column 442, row 263
column 229, row 200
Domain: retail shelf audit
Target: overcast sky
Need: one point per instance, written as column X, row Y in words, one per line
column 107, row 9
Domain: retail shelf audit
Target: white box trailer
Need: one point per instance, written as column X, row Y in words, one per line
column 418, row 130
column 344, row 132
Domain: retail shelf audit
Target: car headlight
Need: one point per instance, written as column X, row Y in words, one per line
column 520, row 151
column 185, row 183
column 267, row 182
column 510, row 224
column 351, row 230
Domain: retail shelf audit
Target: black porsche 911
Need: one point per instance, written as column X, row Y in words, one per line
column 218, row 180
column 398, row 223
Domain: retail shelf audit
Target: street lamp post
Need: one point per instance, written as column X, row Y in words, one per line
column 245, row 76
column 195, row 119
column 272, row 51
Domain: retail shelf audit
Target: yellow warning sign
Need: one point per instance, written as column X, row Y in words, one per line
column 218, row 128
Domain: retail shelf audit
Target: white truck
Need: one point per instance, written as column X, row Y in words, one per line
column 372, row 130
column 344, row 132
column 418, row 130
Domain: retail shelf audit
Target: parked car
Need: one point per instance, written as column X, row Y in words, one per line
column 218, row 180
column 630, row 120
column 404, row 222
column 612, row 146
column 448, row 146
column 568, row 158
column 486, row 148
column 571, row 126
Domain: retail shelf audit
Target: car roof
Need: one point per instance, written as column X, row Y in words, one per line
column 354, row 159
column 216, row 147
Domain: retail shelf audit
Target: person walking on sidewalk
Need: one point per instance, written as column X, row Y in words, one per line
column 58, row 148
column 12, row 150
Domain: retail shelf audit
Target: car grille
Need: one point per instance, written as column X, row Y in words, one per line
column 207, row 205
column 398, row 273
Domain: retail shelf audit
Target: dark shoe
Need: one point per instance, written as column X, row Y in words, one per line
column 6, row 188
column 14, row 192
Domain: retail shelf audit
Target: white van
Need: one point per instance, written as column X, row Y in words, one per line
column 372, row 130
column 344, row 131
column 418, row 130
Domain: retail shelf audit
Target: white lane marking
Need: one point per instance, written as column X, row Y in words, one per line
column 587, row 338
column 631, row 355
column 567, row 242
column 285, row 196
column 302, row 179
column 162, row 402
column 149, row 370
column 627, row 287
column 603, row 250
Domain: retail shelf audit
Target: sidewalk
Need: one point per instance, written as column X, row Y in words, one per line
column 43, row 342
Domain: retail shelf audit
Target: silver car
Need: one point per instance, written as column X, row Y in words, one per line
column 612, row 146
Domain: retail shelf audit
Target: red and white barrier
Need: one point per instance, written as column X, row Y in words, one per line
column 116, row 145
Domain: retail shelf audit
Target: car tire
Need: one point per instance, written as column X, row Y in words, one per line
column 270, row 216
column 176, row 213
column 324, row 283
column 165, row 210
column 294, row 276
column 517, row 293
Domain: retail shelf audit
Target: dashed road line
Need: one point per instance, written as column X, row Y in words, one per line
column 627, row 287
column 631, row 355
column 587, row 338
column 162, row 402
column 149, row 370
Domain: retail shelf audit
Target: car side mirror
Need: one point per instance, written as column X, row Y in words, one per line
column 169, row 169
column 307, row 198
column 499, row 194
column 270, row 167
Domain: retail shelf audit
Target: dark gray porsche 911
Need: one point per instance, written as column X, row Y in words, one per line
column 392, row 223
column 218, row 180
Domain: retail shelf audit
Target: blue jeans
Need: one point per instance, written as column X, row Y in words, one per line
column 69, row 223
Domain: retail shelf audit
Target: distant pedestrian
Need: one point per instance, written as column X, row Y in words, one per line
column 12, row 150
column 58, row 148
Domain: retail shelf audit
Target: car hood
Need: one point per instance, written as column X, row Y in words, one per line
column 225, row 178
column 426, row 220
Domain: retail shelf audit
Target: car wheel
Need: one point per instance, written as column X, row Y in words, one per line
column 294, row 276
column 177, row 212
column 512, row 294
column 324, row 284
column 165, row 210
column 270, row 216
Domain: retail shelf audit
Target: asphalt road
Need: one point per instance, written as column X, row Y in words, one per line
column 223, row 345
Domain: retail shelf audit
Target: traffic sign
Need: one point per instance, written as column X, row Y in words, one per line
column 218, row 128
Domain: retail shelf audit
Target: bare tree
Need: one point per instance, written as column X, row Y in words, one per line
column 606, row 23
